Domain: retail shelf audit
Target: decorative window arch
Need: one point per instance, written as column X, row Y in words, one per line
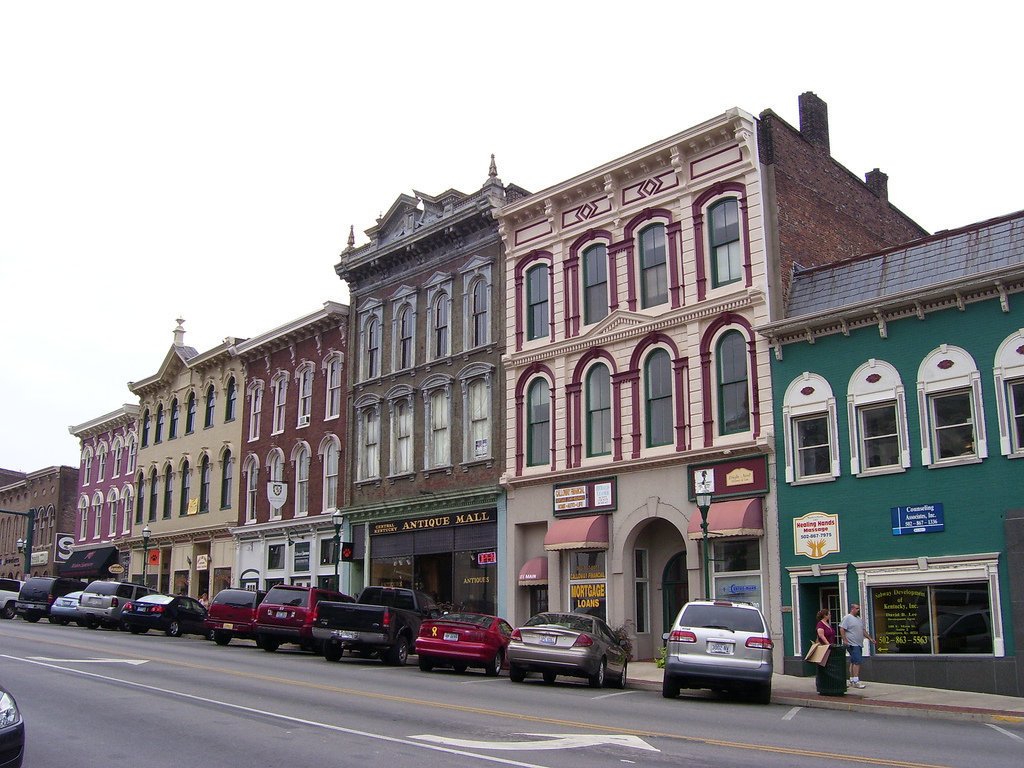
column 951, row 408
column 733, row 383
column 476, row 381
column 330, row 452
column 251, row 469
column 716, row 245
column 255, row 393
column 371, row 315
column 652, row 257
column 725, row 249
column 437, row 419
column 811, row 430
column 83, row 518
column 133, row 452
column 530, row 434
column 1009, row 380
column 205, row 477
column 304, row 387
column 300, row 460
column 476, row 303
column 168, row 491
column 101, row 461
column 145, row 428
column 877, row 415
column 367, row 409
column 86, row 465
column 334, row 377
column 127, row 502
column 403, row 328
column 534, row 293
column 731, row 395
column 112, row 498
column 117, row 448
column 227, row 478
column 401, row 412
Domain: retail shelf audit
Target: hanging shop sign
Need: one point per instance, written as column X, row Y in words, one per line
column 918, row 518
column 816, row 535
column 277, row 494
column 435, row 521
column 586, row 498
column 747, row 476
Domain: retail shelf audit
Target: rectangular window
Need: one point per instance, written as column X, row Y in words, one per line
column 251, row 494
column 300, row 562
column 642, row 590
column 255, row 406
column 932, row 619
column 118, row 455
column 327, row 550
column 371, row 440
column 537, row 302
column 879, row 439
column 439, row 441
column 587, row 584
column 275, row 557
column 812, row 446
column 402, row 460
column 1016, row 398
column 334, row 389
column 101, row 465
column 305, row 397
column 736, row 564
column 280, row 392
column 479, row 420
column 653, row 266
column 953, row 425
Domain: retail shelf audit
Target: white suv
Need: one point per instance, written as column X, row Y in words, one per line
column 9, row 589
column 720, row 645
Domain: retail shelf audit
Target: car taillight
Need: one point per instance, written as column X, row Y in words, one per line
column 386, row 621
column 314, row 613
column 516, row 635
column 682, row 636
column 50, row 599
column 583, row 641
column 113, row 602
column 157, row 609
column 127, row 606
column 763, row 643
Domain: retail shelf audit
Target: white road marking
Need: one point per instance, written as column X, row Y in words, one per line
column 133, row 662
column 617, row 693
column 1005, row 732
column 550, row 741
column 792, row 713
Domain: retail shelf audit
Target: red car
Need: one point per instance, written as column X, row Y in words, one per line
column 287, row 613
column 461, row 640
column 232, row 613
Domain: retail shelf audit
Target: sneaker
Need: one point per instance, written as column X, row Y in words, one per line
column 858, row 684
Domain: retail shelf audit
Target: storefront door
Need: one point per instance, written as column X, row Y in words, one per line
column 675, row 589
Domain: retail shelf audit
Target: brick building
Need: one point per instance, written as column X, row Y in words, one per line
column 50, row 493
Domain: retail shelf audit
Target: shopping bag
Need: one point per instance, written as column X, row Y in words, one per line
column 818, row 654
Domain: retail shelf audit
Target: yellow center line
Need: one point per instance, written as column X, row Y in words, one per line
column 512, row 715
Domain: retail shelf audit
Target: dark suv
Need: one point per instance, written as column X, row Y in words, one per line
column 38, row 593
column 286, row 615
column 232, row 613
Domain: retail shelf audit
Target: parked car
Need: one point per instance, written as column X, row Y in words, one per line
column 286, row 616
column 461, row 640
column 12, row 731
column 103, row 602
column 9, row 589
column 383, row 621
column 573, row 644
column 66, row 609
column 722, row 645
column 175, row 615
column 232, row 613
column 39, row 592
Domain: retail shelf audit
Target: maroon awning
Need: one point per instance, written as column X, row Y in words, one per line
column 589, row 532
column 739, row 517
column 534, row 571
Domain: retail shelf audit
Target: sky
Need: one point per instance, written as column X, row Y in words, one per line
column 205, row 160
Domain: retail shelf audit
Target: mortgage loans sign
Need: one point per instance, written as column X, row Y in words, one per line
column 816, row 534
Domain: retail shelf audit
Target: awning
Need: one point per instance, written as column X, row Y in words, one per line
column 534, row 571
column 740, row 517
column 589, row 532
column 90, row 563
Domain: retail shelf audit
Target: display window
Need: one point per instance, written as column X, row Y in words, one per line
column 951, row 618
column 736, row 570
column 588, row 585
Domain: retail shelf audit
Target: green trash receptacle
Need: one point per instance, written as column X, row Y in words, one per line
column 831, row 678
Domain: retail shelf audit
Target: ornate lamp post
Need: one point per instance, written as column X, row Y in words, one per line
column 146, row 533
column 704, row 504
column 336, row 519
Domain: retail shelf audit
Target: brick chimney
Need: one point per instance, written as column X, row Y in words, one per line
column 814, row 121
column 878, row 183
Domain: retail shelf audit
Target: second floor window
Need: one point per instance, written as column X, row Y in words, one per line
column 441, row 326
column 302, row 482
column 251, row 492
column 440, row 443
column 334, row 388
column 658, row 398
column 172, row 427
column 402, row 458
column 211, row 405
column 305, row 396
column 369, row 458
column 538, row 424
column 145, row 432
column 599, row 411
column 405, row 339
column 653, row 266
column 953, row 425
column 280, row 389
column 537, row 302
column 255, row 408
column 204, row 484
column 733, row 397
column 879, row 435
column 595, row 283
column 480, row 320
column 190, row 414
column 227, row 478
column 186, row 488
column 159, row 432
column 331, row 456
column 371, row 358
column 168, row 494
column 230, row 400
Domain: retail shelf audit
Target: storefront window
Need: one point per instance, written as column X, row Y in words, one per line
column 737, row 570
column 474, row 585
column 275, row 557
column 587, row 587
column 301, row 561
column 392, row 572
column 933, row 619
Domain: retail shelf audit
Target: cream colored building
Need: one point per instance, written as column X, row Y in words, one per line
column 190, row 430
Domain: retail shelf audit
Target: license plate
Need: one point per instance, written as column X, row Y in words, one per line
column 721, row 648
column 345, row 634
column 282, row 614
column 452, row 636
column 228, row 626
column 548, row 639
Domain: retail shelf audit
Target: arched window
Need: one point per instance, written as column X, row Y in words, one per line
column 302, row 481
column 333, row 407
column 733, row 396
column 190, row 414
column 480, row 314
column 227, row 479
column 83, row 518
column 97, row 514
column 442, row 310
column 172, row 428
column 251, row 489
column 158, row 435
column 140, row 498
column 204, row 484
column 724, row 233
column 279, row 388
column 369, row 448
column 211, row 404
column 126, row 505
column 230, row 400
column 112, row 513
column 537, row 319
column 405, row 339
column 538, row 424
column 479, row 422
column 145, row 431
column 275, row 467
column 305, row 387
column 331, row 455
column 255, row 409
column 595, row 283
column 599, row 411
column 658, row 398
column 372, row 349
column 168, row 492
column 186, row 487
column 653, row 266
column 401, row 461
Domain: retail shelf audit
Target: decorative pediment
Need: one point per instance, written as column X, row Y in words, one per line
column 400, row 218
column 617, row 321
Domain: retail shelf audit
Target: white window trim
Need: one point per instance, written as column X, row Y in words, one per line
column 328, row 504
column 279, row 389
column 329, row 361
column 860, row 393
column 252, row 488
column 467, row 377
column 112, row 499
column 1009, row 367
column 128, row 505
column 433, row 385
column 275, row 459
column 439, row 284
column 476, row 269
column 404, row 297
column 304, row 390
column 401, row 394
column 372, row 309
column 948, row 369
column 364, row 405
column 799, row 403
column 254, row 394
column 301, row 490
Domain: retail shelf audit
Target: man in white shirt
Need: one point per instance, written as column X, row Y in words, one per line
column 853, row 633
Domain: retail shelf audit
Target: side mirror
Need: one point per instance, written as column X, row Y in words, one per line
column 664, row 636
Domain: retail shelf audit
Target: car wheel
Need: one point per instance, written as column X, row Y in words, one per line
column 596, row 680
column 173, row 629
column 54, row 619
column 31, row 618
column 763, row 693
column 460, row 667
column 333, row 651
column 549, row 677
column 7, row 612
column 494, row 668
column 620, row 681
column 137, row 630
column 220, row 637
column 515, row 673
column 398, row 654
column 426, row 665
column 268, row 644
column 669, row 687
column 92, row 623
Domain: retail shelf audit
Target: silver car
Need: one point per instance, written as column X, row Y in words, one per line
column 720, row 645
column 573, row 644
column 103, row 601
column 65, row 609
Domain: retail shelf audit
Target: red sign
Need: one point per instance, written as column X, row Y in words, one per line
column 486, row 558
column 154, row 557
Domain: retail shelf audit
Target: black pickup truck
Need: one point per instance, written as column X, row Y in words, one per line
column 383, row 621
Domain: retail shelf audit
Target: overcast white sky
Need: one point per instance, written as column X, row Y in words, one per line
column 205, row 159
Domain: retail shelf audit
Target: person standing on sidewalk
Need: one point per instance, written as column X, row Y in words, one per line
column 853, row 633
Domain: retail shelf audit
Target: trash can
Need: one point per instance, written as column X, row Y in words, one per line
column 831, row 678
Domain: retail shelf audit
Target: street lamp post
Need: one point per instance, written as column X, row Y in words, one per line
column 336, row 519
column 704, row 504
column 146, row 532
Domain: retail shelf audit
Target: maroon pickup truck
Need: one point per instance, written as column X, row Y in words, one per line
column 286, row 616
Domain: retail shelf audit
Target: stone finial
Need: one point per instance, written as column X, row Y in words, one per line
column 351, row 236
column 492, row 172
column 179, row 333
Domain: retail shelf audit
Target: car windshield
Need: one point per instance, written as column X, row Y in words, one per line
column 103, row 587
column 565, row 620
column 732, row 618
column 467, row 618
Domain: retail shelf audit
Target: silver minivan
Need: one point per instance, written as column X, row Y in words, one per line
column 103, row 601
column 721, row 645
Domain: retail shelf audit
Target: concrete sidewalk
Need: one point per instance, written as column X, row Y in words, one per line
column 880, row 698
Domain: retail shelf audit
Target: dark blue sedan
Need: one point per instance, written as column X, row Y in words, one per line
column 176, row 615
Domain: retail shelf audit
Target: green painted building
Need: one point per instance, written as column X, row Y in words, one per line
column 898, row 382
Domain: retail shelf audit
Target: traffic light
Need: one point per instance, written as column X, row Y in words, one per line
column 348, row 551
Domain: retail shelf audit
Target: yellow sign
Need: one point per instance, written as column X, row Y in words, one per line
column 193, row 506
column 816, row 534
